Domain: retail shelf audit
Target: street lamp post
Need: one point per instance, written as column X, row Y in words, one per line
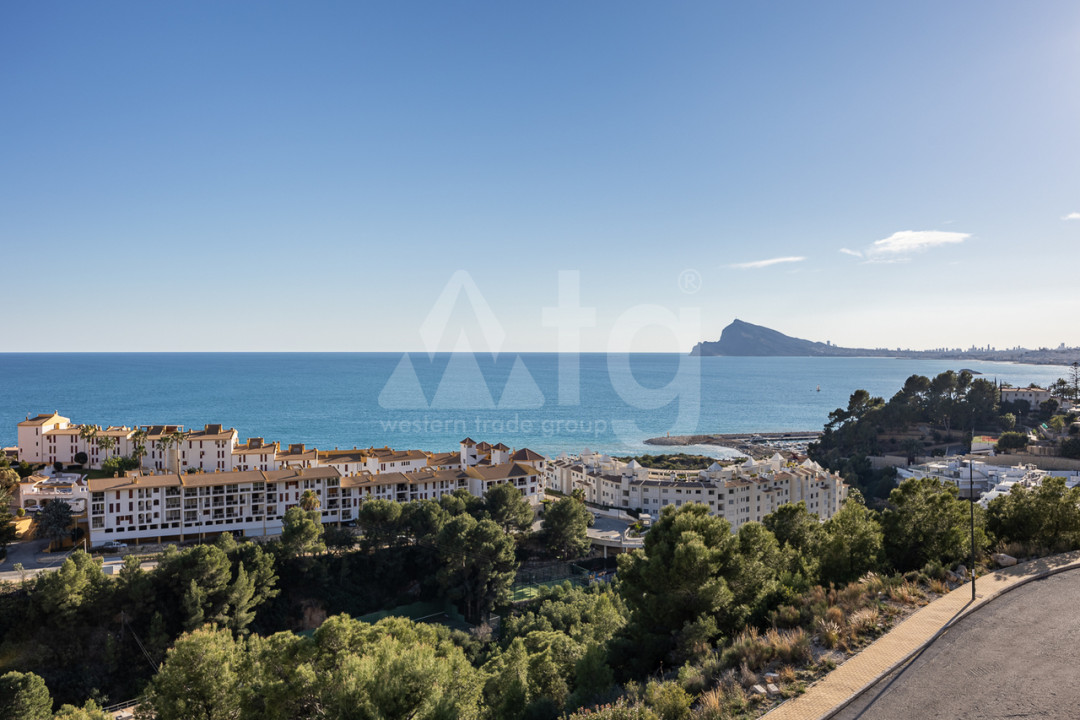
column 971, row 492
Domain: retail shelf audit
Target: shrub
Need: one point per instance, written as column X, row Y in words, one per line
column 939, row 586
column 835, row 615
column 864, row 620
column 789, row 646
column 668, row 700
column 828, row 633
column 692, row 679
column 934, row 570
column 852, row 597
column 786, row 616
column 906, row 593
column 872, row 582
column 1012, row 441
column 748, row 649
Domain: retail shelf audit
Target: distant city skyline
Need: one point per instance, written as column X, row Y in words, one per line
column 287, row 177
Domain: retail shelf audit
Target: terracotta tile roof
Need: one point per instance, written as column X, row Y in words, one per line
column 212, row 432
column 42, row 419
column 526, row 455
column 502, row 471
column 259, row 448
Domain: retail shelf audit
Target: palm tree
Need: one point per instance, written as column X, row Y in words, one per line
column 88, row 433
column 163, row 443
column 178, row 437
column 106, row 443
column 309, row 501
column 138, row 445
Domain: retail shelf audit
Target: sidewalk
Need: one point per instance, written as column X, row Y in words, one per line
column 893, row 649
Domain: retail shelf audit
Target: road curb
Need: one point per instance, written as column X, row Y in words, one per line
column 1074, row 565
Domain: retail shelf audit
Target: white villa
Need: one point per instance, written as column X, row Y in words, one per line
column 740, row 493
column 37, row 491
column 988, row 481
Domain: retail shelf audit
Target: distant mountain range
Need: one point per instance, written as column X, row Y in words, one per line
column 742, row 339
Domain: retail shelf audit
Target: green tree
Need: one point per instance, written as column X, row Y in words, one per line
column 422, row 519
column 792, row 524
column 564, row 529
column 24, row 696
column 54, row 521
column 199, row 679
column 754, row 575
column 477, row 564
column 138, row 446
column 106, row 443
column 927, row 521
column 380, row 522
column 8, row 532
column 679, row 579
column 507, row 688
column 61, row 594
column 508, row 508
column 89, row 711
column 851, row 543
column 1012, row 441
column 309, row 501
column 1070, row 448
column 1045, row 518
column 300, row 533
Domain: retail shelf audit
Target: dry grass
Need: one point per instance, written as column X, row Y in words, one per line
column 852, row 597
column 787, row 674
column 836, row 616
column 872, row 583
column 829, row 633
column 939, row 586
column 906, row 594
column 864, row 620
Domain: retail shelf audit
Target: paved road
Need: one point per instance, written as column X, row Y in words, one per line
column 26, row 552
column 1014, row 658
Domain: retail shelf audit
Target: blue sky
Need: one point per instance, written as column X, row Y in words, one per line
column 310, row 176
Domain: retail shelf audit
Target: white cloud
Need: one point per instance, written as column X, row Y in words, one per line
column 852, row 253
column 912, row 241
column 766, row 263
column 1072, row 216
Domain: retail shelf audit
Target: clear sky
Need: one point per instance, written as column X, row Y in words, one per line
column 310, row 176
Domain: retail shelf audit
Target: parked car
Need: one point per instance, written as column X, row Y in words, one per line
column 113, row 545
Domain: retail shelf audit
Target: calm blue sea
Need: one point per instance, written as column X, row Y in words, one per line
column 547, row 402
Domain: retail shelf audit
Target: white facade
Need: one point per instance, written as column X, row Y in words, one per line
column 186, row 505
column 738, row 493
column 988, row 481
column 37, row 491
column 1034, row 397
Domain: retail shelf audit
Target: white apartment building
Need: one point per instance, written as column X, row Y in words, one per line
column 739, row 493
column 167, row 505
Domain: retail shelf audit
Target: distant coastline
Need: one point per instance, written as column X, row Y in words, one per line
column 743, row 339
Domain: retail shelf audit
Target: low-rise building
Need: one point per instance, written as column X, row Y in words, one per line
column 37, row 491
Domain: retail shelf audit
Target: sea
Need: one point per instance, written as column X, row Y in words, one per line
column 551, row 403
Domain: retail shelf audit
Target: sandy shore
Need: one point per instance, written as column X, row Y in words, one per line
column 756, row 445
